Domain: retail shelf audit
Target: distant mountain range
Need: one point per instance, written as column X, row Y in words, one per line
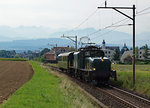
column 36, row 44
column 35, row 38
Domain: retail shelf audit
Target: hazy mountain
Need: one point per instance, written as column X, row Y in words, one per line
column 22, row 32
column 33, row 38
column 110, row 36
column 37, row 44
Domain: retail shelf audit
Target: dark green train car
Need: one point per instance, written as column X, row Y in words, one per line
column 65, row 60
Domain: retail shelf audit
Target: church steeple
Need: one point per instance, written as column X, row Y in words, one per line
column 125, row 45
column 103, row 42
column 103, row 45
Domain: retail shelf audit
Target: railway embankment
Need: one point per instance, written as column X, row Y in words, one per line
column 124, row 76
column 110, row 96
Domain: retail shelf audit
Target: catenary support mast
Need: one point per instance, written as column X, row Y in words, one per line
column 133, row 19
column 74, row 40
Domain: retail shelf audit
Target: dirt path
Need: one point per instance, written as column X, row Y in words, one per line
column 13, row 74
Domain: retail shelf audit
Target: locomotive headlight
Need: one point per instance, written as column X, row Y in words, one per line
column 94, row 69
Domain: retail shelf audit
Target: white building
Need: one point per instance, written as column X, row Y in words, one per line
column 130, row 53
column 109, row 53
column 109, row 50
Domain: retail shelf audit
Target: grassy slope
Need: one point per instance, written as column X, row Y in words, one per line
column 75, row 97
column 47, row 91
column 142, row 78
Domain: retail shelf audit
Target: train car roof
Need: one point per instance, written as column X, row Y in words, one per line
column 65, row 54
column 76, row 53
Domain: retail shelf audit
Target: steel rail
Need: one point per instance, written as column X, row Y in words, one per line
column 124, row 102
column 132, row 95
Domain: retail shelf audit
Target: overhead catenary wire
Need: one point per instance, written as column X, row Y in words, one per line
column 107, row 26
column 143, row 10
column 111, row 30
column 143, row 13
column 112, row 25
column 82, row 22
column 93, row 13
column 86, row 19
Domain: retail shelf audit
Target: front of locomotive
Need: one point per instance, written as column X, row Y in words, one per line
column 98, row 66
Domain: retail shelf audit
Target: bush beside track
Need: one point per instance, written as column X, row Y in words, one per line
column 45, row 90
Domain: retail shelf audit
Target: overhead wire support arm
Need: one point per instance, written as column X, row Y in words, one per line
column 116, row 9
column 123, row 13
column 70, row 37
column 133, row 19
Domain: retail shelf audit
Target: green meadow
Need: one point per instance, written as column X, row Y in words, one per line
column 142, row 82
column 47, row 89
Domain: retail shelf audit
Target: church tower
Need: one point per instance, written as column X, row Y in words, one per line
column 103, row 45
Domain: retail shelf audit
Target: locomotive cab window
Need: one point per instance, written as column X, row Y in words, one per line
column 87, row 53
column 96, row 53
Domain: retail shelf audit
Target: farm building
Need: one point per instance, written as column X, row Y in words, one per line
column 55, row 51
column 50, row 57
column 58, row 50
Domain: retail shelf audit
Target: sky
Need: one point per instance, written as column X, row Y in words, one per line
column 68, row 14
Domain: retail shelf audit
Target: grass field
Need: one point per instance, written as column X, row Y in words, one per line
column 45, row 90
column 13, row 59
column 142, row 85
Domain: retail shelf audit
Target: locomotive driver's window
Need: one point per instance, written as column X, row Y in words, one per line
column 94, row 53
column 87, row 53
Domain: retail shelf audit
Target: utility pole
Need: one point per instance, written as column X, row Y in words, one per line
column 74, row 39
column 133, row 19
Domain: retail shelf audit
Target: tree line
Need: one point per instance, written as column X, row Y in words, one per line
column 117, row 55
column 7, row 54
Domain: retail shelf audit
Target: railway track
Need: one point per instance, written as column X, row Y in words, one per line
column 129, row 100
column 136, row 100
column 111, row 96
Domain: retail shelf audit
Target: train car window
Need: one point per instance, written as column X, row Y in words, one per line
column 66, row 58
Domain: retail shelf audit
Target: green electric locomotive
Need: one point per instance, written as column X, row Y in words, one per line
column 88, row 64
